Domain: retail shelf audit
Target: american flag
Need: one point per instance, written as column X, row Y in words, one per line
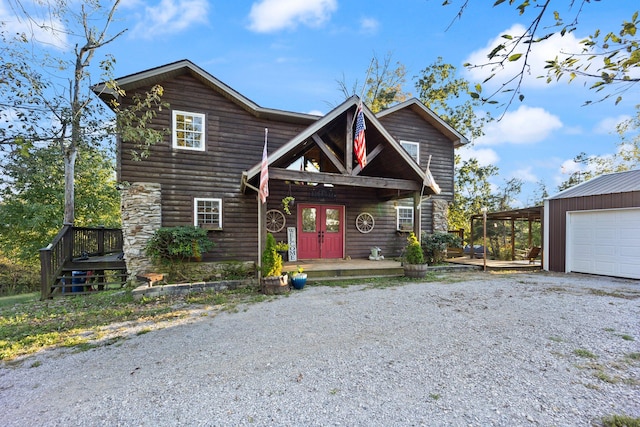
column 264, row 172
column 359, row 144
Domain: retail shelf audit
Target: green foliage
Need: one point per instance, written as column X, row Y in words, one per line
column 271, row 259
column 51, row 96
column 384, row 85
column 286, row 201
column 472, row 192
column 17, row 278
column 620, row 421
column 626, row 157
column 131, row 122
column 435, row 246
column 442, row 92
column 32, row 194
column 413, row 253
column 282, row 246
column 608, row 59
column 170, row 245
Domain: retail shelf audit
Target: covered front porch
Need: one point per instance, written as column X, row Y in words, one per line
column 319, row 193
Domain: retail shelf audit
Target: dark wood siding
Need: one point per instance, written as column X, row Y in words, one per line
column 406, row 125
column 558, row 209
column 234, row 141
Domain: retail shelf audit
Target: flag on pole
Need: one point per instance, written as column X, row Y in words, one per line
column 264, row 172
column 429, row 181
column 359, row 144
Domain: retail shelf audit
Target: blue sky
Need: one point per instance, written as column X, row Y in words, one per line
column 289, row 54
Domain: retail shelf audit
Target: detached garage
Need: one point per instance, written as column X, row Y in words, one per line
column 594, row 227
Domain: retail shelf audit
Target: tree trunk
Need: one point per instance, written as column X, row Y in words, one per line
column 70, row 155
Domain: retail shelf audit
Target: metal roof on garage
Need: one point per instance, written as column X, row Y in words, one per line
column 612, row 183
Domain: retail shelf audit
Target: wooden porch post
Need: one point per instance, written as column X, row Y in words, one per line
column 513, row 239
column 471, row 251
column 417, row 217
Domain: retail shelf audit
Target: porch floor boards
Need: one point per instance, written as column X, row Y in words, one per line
column 493, row 264
column 336, row 268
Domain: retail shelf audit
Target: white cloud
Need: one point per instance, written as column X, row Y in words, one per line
column 525, row 174
column 316, row 113
column 44, row 30
column 274, row 15
column 540, row 52
column 524, row 126
column 170, row 17
column 485, row 156
column 609, row 124
column 369, row 25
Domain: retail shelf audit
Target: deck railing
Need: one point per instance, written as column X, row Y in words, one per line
column 75, row 242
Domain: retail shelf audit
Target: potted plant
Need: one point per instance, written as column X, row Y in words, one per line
column 283, row 249
column 299, row 278
column 287, row 202
column 272, row 280
column 414, row 264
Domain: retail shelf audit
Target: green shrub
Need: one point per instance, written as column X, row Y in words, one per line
column 271, row 259
column 414, row 253
column 435, row 246
column 18, row 278
column 169, row 245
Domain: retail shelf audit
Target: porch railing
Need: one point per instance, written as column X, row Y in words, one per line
column 75, row 242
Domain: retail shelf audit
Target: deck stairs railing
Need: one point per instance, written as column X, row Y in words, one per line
column 81, row 260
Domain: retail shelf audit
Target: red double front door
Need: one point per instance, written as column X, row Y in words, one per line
column 320, row 231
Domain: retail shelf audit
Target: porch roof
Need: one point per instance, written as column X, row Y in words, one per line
column 328, row 143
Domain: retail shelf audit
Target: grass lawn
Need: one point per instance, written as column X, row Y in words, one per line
column 18, row 299
column 28, row 325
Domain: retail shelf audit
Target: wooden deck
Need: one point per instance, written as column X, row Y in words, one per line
column 497, row 264
column 90, row 258
column 327, row 269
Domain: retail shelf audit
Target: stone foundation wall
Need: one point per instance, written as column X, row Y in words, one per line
column 440, row 212
column 141, row 217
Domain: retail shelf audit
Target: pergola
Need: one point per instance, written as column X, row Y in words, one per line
column 531, row 215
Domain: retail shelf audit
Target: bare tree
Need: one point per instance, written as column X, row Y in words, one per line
column 48, row 91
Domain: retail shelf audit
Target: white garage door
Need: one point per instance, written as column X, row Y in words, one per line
column 604, row 242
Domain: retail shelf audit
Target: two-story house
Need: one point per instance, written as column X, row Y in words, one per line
column 207, row 170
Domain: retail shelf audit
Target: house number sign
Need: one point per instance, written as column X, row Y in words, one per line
column 291, row 240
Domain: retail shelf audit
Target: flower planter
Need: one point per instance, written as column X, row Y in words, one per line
column 274, row 285
column 299, row 280
column 284, row 255
column 416, row 271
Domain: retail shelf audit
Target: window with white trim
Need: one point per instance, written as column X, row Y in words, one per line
column 207, row 213
column 188, row 130
column 413, row 148
column 404, row 218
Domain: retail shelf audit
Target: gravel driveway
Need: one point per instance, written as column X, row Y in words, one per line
column 474, row 349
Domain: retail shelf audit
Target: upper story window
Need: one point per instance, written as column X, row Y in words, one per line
column 413, row 148
column 207, row 213
column 188, row 130
column 404, row 218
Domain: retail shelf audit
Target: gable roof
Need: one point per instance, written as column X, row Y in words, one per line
column 428, row 115
column 157, row 75
column 384, row 153
column 612, row 183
